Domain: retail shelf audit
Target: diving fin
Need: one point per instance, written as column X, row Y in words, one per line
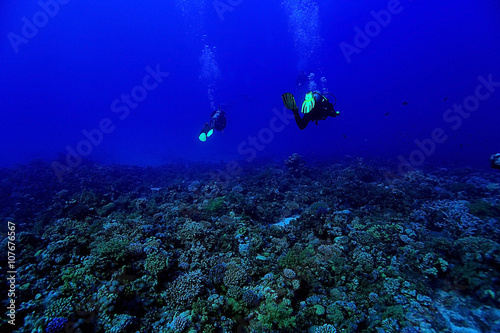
column 309, row 103
column 289, row 101
column 202, row 137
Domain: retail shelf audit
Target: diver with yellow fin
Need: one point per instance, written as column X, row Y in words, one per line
column 217, row 121
column 315, row 107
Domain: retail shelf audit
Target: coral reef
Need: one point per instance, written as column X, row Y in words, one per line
column 495, row 161
column 56, row 325
column 340, row 247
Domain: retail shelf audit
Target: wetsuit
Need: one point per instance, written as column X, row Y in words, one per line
column 218, row 120
column 322, row 110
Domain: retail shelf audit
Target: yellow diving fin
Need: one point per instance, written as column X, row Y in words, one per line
column 309, row 103
column 289, row 101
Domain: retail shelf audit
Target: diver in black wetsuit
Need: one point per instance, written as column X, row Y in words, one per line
column 495, row 161
column 217, row 121
column 315, row 107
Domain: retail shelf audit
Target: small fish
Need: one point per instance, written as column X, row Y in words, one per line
column 345, row 136
column 445, row 99
column 405, row 103
column 387, row 113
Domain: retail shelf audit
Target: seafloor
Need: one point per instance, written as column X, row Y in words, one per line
column 276, row 247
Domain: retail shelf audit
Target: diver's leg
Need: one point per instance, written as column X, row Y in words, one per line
column 301, row 122
column 204, row 133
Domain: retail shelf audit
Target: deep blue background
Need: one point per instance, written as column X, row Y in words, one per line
column 66, row 77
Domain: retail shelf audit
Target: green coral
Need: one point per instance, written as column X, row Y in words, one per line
column 114, row 249
column 235, row 275
column 473, row 270
column 394, row 312
column 235, row 305
column 473, row 248
column 60, row 308
column 335, row 314
column 156, row 262
column 242, row 230
column 297, row 257
column 215, row 205
column 77, row 279
column 277, row 315
column 315, row 207
column 107, row 209
column 484, row 209
column 319, row 309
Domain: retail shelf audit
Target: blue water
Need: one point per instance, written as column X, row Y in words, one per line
column 61, row 73
column 88, row 89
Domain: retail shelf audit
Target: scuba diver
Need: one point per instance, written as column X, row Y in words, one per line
column 495, row 161
column 217, row 121
column 315, row 107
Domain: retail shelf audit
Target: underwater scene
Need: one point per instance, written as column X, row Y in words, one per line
column 295, row 166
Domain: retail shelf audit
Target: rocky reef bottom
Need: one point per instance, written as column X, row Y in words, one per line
column 348, row 246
